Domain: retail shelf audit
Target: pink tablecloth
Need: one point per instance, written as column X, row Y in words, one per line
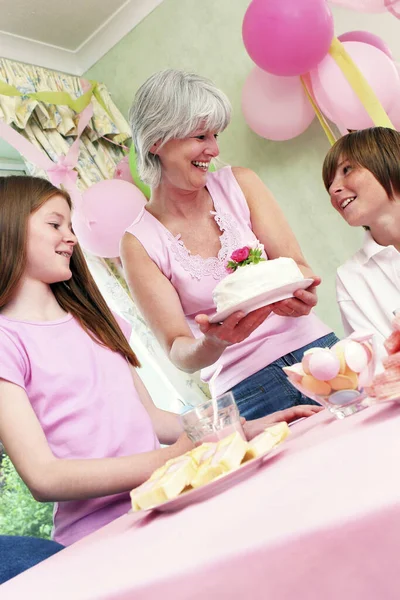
column 321, row 520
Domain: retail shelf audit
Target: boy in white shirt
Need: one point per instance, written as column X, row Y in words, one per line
column 362, row 175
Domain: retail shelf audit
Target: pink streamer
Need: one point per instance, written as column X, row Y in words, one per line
column 60, row 173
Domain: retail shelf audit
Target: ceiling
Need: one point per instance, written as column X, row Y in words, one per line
column 67, row 25
column 67, row 35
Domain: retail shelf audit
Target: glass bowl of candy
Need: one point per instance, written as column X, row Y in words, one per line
column 337, row 377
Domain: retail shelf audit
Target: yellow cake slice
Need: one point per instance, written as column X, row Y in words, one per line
column 202, row 453
column 267, row 440
column 206, row 473
column 226, row 457
column 177, row 475
column 230, row 452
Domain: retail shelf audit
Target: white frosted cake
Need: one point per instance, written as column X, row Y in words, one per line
column 252, row 280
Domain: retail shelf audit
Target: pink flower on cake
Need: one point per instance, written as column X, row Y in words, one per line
column 240, row 254
column 245, row 256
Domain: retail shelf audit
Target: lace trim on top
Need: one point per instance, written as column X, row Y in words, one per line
column 199, row 267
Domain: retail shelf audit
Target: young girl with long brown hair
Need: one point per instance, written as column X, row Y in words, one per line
column 75, row 419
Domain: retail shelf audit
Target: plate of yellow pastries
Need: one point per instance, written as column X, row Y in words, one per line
column 206, row 470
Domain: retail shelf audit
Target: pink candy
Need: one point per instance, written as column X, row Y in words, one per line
column 324, row 365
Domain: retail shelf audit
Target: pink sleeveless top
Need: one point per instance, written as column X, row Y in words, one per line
column 194, row 279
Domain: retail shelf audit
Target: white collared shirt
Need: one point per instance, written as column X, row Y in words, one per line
column 368, row 289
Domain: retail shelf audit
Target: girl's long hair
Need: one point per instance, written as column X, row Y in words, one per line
column 20, row 196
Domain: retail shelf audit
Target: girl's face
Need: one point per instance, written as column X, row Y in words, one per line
column 50, row 242
column 185, row 162
column 357, row 195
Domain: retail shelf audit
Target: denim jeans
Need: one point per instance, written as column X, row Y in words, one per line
column 20, row 553
column 269, row 390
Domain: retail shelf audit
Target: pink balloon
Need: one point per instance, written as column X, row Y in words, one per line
column 287, row 37
column 108, row 208
column 336, row 97
column 366, row 38
column 122, row 170
column 274, row 107
column 394, row 112
column 393, row 6
column 366, row 6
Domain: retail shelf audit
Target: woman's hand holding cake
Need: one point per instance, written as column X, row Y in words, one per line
column 234, row 329
column 301, row 304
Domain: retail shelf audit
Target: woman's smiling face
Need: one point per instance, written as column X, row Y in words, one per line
column 185, row 162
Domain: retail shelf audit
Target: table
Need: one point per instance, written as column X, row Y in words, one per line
column 318, row 521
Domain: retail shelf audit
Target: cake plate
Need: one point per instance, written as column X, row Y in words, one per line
column 280, row 293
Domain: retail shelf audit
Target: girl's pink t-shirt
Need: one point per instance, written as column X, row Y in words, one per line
column 84, row 397
column 194, row 278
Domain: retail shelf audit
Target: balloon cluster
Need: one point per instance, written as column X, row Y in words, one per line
column 337, row 375
column 288, row 39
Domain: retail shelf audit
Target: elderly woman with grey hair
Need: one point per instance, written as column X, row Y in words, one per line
column 176, row 250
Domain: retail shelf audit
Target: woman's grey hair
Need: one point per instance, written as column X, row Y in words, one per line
column 173, row 104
